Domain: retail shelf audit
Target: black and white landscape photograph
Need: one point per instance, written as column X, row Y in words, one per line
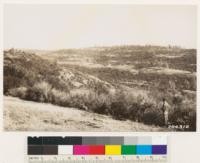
column 96, row 67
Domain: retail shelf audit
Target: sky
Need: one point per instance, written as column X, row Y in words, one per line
column 50, row 26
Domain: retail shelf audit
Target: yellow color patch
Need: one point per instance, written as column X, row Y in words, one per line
column 113, row 149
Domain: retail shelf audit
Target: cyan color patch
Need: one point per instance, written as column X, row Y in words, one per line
column 144, row 149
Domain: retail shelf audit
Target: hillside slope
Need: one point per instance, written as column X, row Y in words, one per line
column 31, row 116
column 25, row 69
column 125, row 82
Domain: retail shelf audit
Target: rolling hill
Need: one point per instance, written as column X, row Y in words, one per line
column 124, row 82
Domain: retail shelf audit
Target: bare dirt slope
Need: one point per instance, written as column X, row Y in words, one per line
column 32, row 116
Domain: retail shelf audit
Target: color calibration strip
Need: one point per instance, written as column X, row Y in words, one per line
column 97, row 146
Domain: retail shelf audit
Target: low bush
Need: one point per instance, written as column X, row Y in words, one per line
column 118, row 110
column 20, row 92
column 39, row 92
column 11, row 82
column 59, row 98
column 153, row 116
column 98, row 103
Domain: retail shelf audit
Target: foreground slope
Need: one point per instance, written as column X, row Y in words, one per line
column 31, row 116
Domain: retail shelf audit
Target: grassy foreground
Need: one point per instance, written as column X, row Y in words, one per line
column 23, row 115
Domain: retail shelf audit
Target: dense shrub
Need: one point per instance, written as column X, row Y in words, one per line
column 118, row 110
column 39, row 92
column 153, row 116
column 20, row 92
column 118, row 105
column 10, row 82
column 98, row 103
column 133, row 112
column 121, row 105
column 130, row 105
column 58, row 97
column 78, row 98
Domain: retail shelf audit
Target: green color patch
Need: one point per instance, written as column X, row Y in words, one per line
column 128, row 149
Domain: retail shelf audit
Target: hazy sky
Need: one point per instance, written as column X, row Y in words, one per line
column 69, row 26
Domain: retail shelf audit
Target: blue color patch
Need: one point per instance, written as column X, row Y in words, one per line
column 144, row 149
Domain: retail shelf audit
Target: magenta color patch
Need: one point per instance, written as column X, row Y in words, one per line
column 81, row 150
